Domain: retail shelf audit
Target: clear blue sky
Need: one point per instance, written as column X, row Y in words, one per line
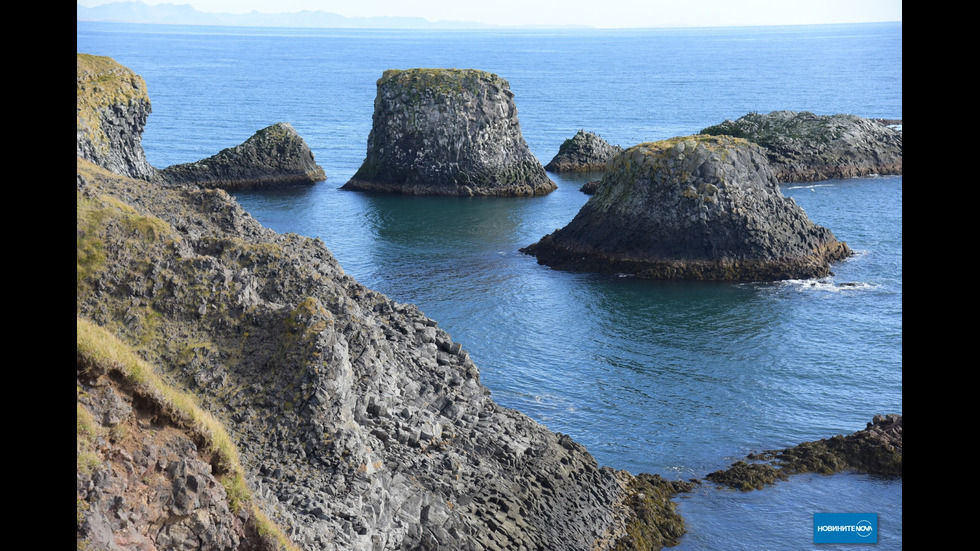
column 601, row 13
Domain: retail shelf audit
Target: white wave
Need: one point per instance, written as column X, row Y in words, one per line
column 828, row 285
column 810, row 186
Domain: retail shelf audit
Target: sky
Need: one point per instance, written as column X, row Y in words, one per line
column 596, row 13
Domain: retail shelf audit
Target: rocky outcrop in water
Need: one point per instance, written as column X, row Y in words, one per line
column 876, row 450
column 583, row 152
column 447, row 132
column 360, row 424
column 274, row 156
column 697, row 207
column 803, row 147
column 112, row 106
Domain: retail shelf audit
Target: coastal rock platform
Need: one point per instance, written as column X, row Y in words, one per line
column 448, row 132
column 804, row 147
column 696, row 207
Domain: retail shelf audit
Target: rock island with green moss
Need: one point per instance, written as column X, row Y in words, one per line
column 696, row 207
column 274, row 156
column 448, row 132
column 803, row 147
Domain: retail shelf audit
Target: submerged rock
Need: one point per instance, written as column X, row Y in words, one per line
column 583, row 152
column 876, row 450
column 447, row 132
column 112, row 106
column 697, row 207
column 274, row 156
column 803, row 147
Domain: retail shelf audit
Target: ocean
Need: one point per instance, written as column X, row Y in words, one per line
column 674, row 378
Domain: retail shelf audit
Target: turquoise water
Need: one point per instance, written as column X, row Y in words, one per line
column 674, row 378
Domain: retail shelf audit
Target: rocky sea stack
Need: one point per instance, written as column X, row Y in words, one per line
column 583, row 152
column 274, row 156
column 803, row 147
column 696, row 207
column 448, row 132
column 112, row 106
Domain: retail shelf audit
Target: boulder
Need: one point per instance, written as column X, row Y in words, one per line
column 274, row 156
column 803, row 147
column 695, row 207
column 447, row 132
column 583, row 152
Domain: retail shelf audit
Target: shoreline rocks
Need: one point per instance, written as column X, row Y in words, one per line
column 448, row 132
column 274, row 156
column 877, row 449
column 583, row 152
column 697, row 207
column 804, row 147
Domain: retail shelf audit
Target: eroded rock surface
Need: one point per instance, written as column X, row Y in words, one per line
column 804, row 147
column 274, row 156
column 447, row 132
column 583, row 152
column 697, row 207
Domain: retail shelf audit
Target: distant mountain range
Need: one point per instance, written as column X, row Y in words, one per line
column 184, row 14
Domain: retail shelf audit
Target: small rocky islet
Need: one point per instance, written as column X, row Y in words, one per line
column 358, row 422
column 583, row 152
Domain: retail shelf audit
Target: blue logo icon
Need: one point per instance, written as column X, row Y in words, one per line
column 845, row 528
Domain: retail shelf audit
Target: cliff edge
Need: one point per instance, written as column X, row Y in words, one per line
column 447, row 132
column 696, row 207
column 803, row 147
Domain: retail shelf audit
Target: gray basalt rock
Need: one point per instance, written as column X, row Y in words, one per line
column 583, row 152
column 804, row 147
column 696, row 207
column 448, row 132
column 274, row 156
column 112, row 107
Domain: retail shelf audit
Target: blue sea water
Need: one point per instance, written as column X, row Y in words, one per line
column 675, row 378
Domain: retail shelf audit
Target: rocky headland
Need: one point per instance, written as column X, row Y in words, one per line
column 804, row 147
column 274, row 156
column 877, row 449
column 237, row 390
column 696, row 207
column 448, row 132
column 583, row 152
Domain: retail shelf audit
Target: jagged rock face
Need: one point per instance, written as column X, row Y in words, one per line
column 360, row 423
column 112, row 107
column 448, row 132
column 583, row 152
column 698, row 207
column 803, row 147
column 274, row 156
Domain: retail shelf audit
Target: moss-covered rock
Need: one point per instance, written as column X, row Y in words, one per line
column 804, row 147
column 694, row 207
column 447, row 132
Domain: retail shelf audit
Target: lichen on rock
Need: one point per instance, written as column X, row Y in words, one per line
column 583, row 152
column 695, row 207
column 448, row 132
column 804, row 147
column 274, row 156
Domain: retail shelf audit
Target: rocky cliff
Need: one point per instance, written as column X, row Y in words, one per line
column 274, row 156
column 697, row 207
column 804, row 147
column 111, row 110
column 353, row 422
column 447, row 132
column 583, row 152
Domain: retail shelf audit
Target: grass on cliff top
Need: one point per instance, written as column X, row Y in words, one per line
column 98, row 345
column 101, row 82
column 710, row 141
column 442, row 80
